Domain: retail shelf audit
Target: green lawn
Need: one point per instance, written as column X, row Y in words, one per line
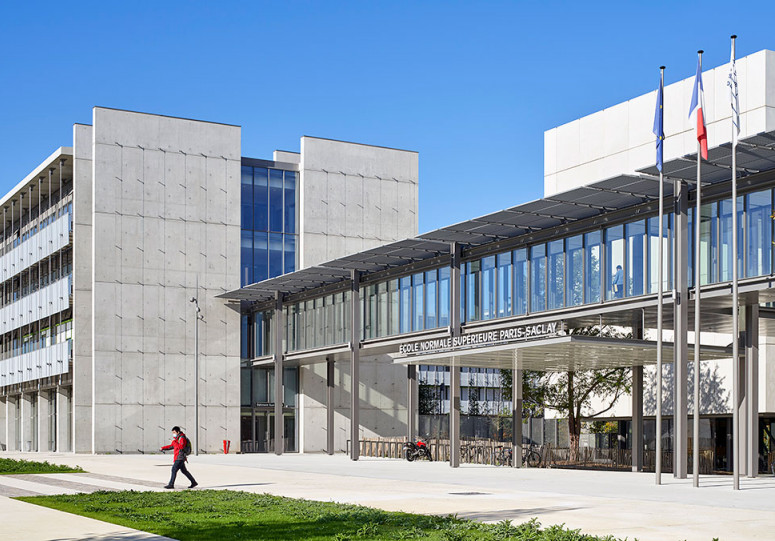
column 10, row 466
column 222, row 514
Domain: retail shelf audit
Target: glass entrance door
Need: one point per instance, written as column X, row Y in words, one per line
column 257, row 424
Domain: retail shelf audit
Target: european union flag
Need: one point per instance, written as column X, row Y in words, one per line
column 659, row 130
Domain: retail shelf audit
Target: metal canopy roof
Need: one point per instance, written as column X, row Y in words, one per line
column 562, row 354
column 755, row 154
column 395, row 254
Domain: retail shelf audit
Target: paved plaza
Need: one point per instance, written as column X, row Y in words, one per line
column 622, row 504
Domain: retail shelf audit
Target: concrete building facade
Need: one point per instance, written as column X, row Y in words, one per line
column 107, row 243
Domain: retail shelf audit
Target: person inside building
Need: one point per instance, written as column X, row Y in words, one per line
column 617, row 282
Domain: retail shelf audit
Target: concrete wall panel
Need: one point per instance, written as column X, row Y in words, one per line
column 179, row 186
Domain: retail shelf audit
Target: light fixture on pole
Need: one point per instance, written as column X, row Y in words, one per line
column 198, row 313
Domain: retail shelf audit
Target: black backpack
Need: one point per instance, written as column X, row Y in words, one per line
column 186, row 451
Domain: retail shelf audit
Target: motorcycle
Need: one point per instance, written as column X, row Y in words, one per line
column 418, row 449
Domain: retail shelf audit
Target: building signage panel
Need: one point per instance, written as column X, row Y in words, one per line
column 481, row 339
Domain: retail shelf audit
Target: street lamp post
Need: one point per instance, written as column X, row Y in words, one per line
column 198, row 314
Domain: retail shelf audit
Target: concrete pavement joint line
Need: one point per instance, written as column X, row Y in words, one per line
column 126, row 480
column 61, row 483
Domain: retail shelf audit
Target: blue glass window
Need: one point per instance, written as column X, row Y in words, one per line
column 289, row 260
column 538, row 278
column 275, row 200
column 473, row 295
column 556, row 280
column 574, row 247
column 260, row 199
column 431, row 298
column 405, row 301
column 653, row 247
column 246, row 258
column 758, row 224
column 260, row 256
column 275, row 254
column 444, row 293
column 246, row 198
column 505, row 284
column 488, row 287
column 614, row 255
column 290, row 202
column 418, row 321
column 636, row 257
column 726, row 258
column 520, row 281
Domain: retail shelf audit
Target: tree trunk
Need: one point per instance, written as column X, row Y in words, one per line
column 574, row 424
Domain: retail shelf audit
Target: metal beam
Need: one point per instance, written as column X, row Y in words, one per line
column 412, row 393
column 516, row 417
column 355, row 350
column 330, row 406
column 454, row 371
column 752, row 386
column 279, row 436
column 681, row 320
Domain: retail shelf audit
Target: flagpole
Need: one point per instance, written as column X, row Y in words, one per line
column 735, row 317
column 660, row 287
column 697, row 266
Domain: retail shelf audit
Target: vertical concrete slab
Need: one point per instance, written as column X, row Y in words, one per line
column 3, row 422
column 11, row 411
column 25, row 411
column 353, row 197
column 43, row 426
column 62, row 423
column 164, row 221
column 83, row 360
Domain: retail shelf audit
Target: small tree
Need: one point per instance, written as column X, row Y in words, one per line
column 571, row 393
column 428, row 399
column 473, row 401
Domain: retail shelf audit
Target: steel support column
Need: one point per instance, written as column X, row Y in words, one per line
column 412, row 395
column 330, row 406
column 454, row 370
column 516, row 418
column 681, row 319
column 637, row 418
column 355, row 351
column 752, row 388
column 279, row 392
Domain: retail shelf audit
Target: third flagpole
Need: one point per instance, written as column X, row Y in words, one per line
column 697, row 114
column 660, row 278
column 735, row 299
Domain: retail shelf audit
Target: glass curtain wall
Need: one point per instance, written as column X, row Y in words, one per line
column 605, row 264
column 268, row 221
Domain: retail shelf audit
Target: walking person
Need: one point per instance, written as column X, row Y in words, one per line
column 182, row 446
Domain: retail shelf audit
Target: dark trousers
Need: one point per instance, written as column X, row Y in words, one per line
column 180, row 465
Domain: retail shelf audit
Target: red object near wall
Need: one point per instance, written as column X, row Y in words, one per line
column 226, row 445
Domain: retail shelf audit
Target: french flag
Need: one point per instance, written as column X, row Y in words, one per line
column 696, row 111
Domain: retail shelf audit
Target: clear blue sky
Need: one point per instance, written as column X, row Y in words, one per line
column 471, row 86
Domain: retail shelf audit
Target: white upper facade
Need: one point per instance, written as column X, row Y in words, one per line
column 619, row 139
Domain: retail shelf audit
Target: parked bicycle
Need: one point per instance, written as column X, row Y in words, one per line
column 504, row 456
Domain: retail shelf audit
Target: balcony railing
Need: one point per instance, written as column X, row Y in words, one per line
column 42, row 363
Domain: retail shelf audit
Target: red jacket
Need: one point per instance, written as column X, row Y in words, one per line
column 178, row 443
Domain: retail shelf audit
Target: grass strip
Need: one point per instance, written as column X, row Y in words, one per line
column 9, row 466
column 205, row 515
